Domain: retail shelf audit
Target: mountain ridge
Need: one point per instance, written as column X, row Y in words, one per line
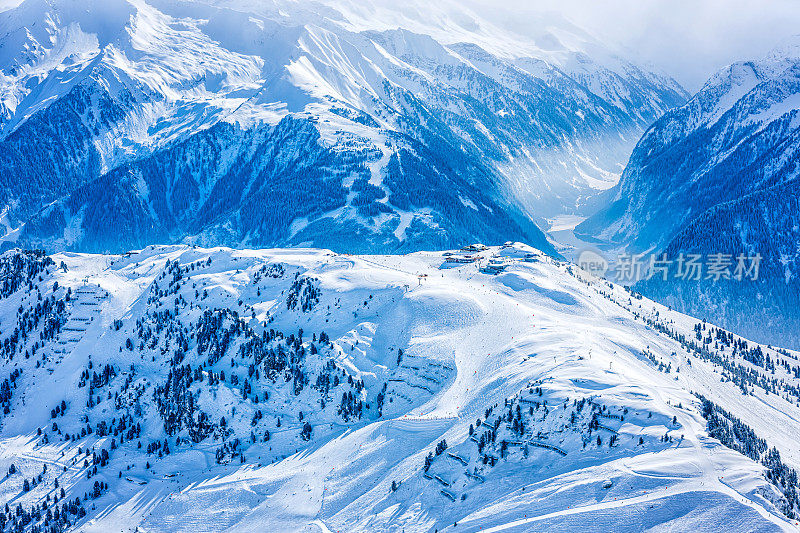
column 719, row 176
column 540, row 131
column 314, row 390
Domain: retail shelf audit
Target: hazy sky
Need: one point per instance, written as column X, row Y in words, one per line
column 688, row 39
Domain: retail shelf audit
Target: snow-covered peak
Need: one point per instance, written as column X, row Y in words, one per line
column 788, row 49
column 223, row 53
column 720, row 172
column 539, row 124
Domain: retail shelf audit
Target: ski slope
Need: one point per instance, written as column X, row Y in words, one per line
column 583, row 427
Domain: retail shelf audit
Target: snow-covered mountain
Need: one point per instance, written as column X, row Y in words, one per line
column 720, row 175
column 189, row 389
column 354, row 125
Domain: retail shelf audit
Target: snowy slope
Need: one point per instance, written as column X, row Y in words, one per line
column 289, row 389
column 720, row 175
column 477, row 119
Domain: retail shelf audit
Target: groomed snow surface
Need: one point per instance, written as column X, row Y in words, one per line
column 535, row 336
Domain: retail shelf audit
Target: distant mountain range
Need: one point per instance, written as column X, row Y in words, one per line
column 248, row 124
column 720, row 175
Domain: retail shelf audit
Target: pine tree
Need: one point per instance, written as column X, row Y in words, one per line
column 428, row 461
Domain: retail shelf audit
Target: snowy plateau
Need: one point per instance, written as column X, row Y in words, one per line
column 179, row 388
